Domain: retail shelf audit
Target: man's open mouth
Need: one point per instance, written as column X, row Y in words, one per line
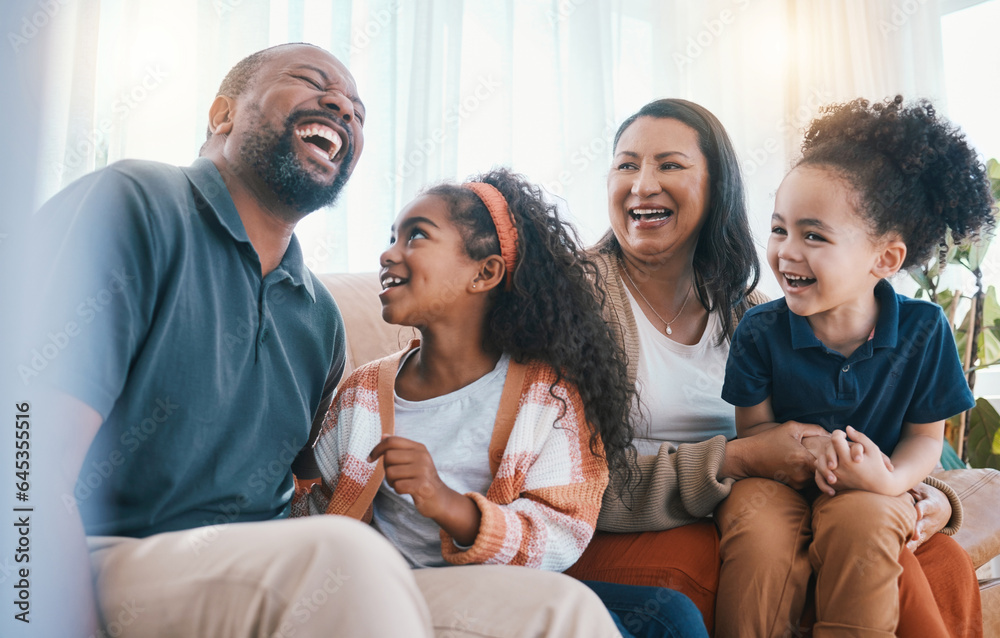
column 325, row 141
column 797, row 281
column 649, row 214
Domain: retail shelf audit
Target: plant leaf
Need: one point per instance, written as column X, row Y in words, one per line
column 993, row 172
column 945, row 299
column 949, row 458
column 984, row 435
column 991, row 308
column 921, row 278
column 989, row 346
column 977, row 251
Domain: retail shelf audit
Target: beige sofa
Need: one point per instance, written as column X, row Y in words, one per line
column 369, row 338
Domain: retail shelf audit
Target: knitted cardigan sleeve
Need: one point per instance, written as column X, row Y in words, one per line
column 351, row 429
column 541, row 509
column 675, row 487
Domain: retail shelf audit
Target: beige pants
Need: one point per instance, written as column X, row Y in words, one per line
column 322, row 576
column 772, row 539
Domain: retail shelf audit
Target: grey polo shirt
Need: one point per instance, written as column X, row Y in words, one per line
column 207, row 376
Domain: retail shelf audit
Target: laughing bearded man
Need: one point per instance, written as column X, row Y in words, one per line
column 197, row 372
column 202, row 350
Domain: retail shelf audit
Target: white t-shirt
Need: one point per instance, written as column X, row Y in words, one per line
column 456, row 429
column 679, row 387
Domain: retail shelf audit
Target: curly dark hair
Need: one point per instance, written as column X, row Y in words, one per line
column 726, row 265
column 552, row 311
column 913, row 173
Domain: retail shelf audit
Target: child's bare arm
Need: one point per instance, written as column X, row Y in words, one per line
column 755, row 419
column 917, row 453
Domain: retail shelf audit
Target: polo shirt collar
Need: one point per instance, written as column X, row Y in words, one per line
column 886, row 328
column 294, row 264
column 802, row 333
column 205, row 177
column 207, row 180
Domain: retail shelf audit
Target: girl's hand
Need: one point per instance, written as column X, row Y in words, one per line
column 409, row 469
column 933, row 513
column 854, row 463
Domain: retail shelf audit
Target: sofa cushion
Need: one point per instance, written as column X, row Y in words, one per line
column 979, row 491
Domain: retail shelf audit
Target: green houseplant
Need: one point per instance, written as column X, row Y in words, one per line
column 975, row 318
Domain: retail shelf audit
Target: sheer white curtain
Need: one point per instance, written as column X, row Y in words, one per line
column 454, row 87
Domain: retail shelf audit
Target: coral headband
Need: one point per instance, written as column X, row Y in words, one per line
column 503, row 220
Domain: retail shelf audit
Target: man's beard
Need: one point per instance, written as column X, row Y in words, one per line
column 271, row 155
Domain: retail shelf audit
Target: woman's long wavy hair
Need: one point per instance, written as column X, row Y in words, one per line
column 552, row 311
column 726, row 266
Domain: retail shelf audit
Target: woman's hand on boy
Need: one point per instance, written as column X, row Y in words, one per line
column 933, row 513
column 777, row 453
column 409, row 469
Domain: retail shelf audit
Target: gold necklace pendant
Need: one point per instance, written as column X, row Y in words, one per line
column 666, row 323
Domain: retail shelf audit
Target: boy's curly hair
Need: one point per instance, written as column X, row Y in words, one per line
column 552, row 312
column 913, row 173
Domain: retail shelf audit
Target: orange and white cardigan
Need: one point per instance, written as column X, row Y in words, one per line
column 542, row 506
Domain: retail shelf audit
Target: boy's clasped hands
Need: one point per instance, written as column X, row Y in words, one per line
column 847, row 459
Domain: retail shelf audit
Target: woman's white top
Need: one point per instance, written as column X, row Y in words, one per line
column 679, row 386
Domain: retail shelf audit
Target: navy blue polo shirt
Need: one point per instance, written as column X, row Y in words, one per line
column 909, row 372
column 207, row 376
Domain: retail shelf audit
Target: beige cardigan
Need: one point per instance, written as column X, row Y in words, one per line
column 677, row 486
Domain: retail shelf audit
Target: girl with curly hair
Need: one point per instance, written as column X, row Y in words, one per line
column 878, row 189
column 488, row 440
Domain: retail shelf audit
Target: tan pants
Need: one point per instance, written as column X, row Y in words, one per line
column 321, row 577
column 773, row 539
